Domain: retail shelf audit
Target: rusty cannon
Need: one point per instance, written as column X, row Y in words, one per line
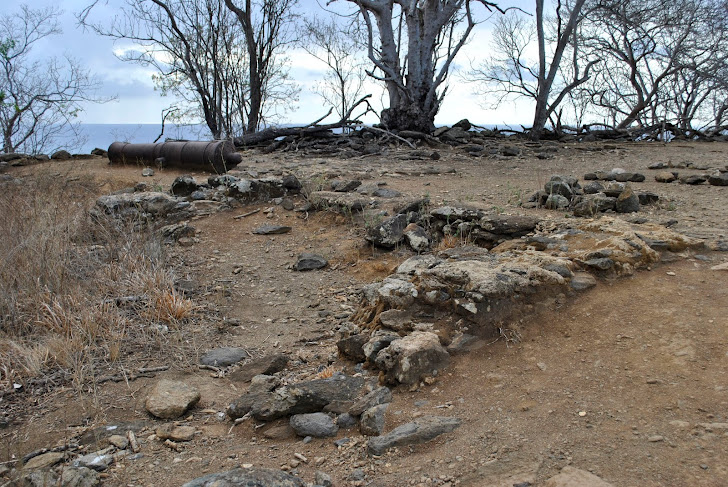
column 217, row 156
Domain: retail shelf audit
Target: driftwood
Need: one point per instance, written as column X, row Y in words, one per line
column 272, row 133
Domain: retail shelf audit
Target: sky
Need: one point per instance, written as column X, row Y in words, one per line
column 136, row 101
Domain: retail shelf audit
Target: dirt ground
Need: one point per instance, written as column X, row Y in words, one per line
column 628, row 380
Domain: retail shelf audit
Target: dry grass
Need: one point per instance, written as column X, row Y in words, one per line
column 62, row 274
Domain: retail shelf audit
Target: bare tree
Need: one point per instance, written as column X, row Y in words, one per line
column 412, row 44
column 267, row 27
column 202, row 57
column 39, row 98
column 643, row 45
column 546, row 80
column 338, row 46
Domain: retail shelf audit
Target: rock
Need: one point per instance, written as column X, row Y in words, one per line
column 591, row 176
column 61, row 155
column 593, row 187
column 510, row 226
column 372, row 420
column 170, row 399
column 657, row 165
column 665, row 177
column 421, row 430
column 459, row 342
column 648, row 198
column 301, row 398
column 143, row 206
column 558, row 187
column 386, row 193
column 637, row 178
column 345, row 186
column 628, row 201
column 456, row 134
column 693, row 180
column 414, row 264
column 378, row 340
column 147, row 172
column 396, row 319
column 600, row 263
column 346, row 203
column 318, row 425
column 582, row 281
column 175, row 433
column 263, row 383
column 309, row 262
column 44, row 460
column 718, row 179
column 380, row 395
column 266, row 365
column 510, row 151
column 271, row 230
column 291, row 183
column 463, row 124
column 247, row 477
column 412, row 358
column 224, row 356
column 392, row 292
column 79, row 477
column 35, row 478
column 345, row 420
column 574, row 477
column 352, row 347
column 614, row 189
column 99, row 152
column 556, row 202
column 322, row 479
column 388, row 233
column 450, row 213
column 184, row 186
column 118, row 441
column 97, row 461
column 176, row 231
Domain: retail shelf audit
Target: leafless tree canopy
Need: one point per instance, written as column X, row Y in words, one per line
column 229, row 76
column 39, row 98
column 338, row 45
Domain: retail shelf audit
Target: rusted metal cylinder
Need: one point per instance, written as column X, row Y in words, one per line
column 217, row 156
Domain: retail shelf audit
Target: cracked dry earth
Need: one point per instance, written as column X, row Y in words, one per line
column 628, row 380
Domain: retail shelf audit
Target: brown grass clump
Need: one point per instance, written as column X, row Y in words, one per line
column 63, row 275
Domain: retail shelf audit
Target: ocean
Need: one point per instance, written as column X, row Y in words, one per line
column 101, row 135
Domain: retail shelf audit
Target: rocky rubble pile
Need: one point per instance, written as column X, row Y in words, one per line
column 405, row 327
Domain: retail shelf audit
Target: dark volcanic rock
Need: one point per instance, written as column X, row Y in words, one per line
column 271, row 230
column 389, row 233
column 719, row 179
column 318, row 425
column 222, row 357
column 310, row 262
column 266, row 365
column 184, row 186
column 305, row 397
column 352, row 347
column 628, row 201
column 420, row 430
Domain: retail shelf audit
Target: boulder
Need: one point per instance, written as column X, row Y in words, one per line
column 421, row 430
column 352, row 347
column 272, row 230
column 170, row 399
column 372, row 420
column 392, row 292
column 184, row 186
column 345, row 186
column 693, row 179
column 718, row 179
column 248, row 477
column 417, row 237
column 318, row 425
column 388, row 233
column 559, row 187
column 378, row 340
column 143, row 206
column 628, row 201
column 412, row 358
column 61, row 155
column 556, row 202
column 79, row 477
